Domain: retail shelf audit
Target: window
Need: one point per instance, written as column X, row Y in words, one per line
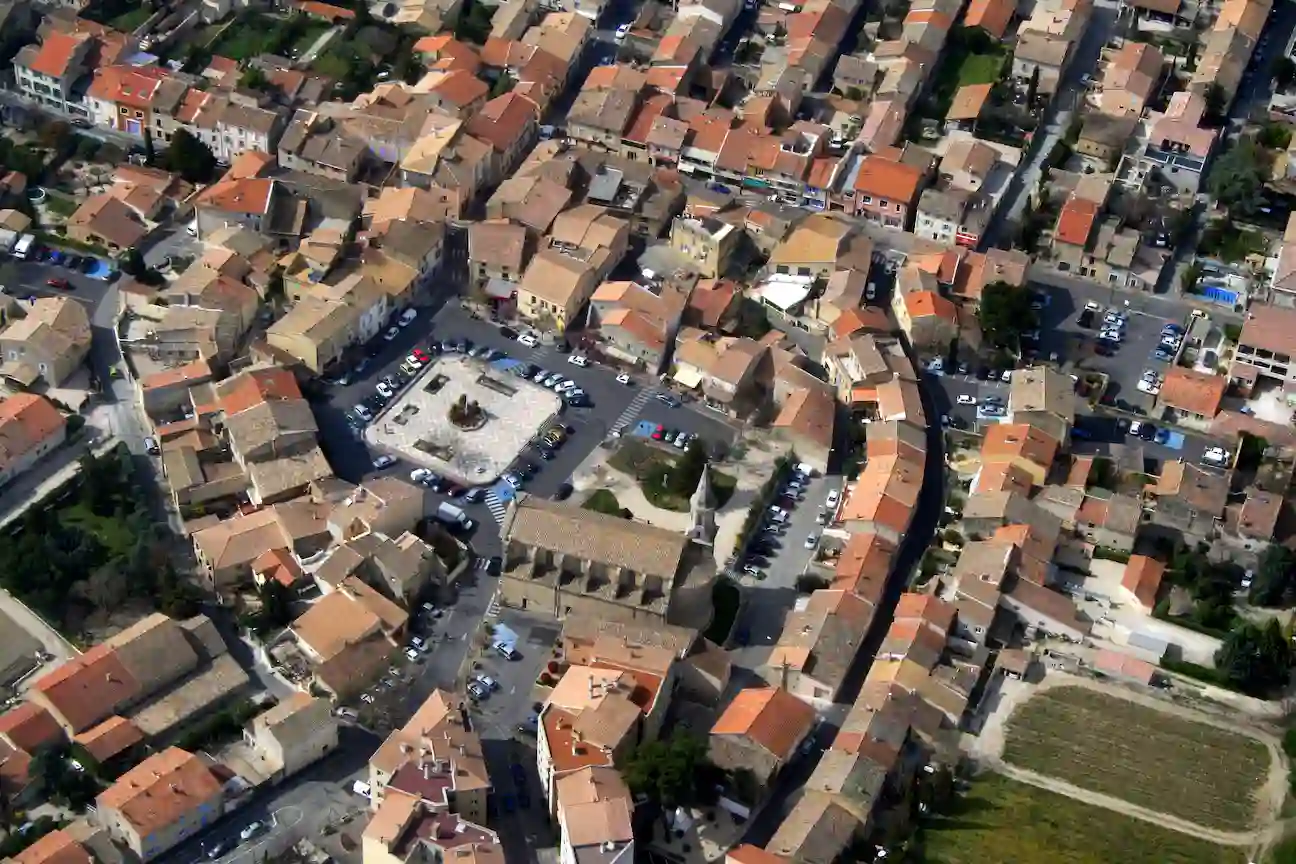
column 868, row 199
column 897, row 208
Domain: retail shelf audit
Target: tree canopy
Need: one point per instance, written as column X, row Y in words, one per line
column 190, row 158
column 1274, row 583
column 1005, row 314
column 1237, row 178
column 1255, row 659
column 670, row 771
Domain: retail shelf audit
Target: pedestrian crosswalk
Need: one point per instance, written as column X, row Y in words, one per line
column 493, row 610
column 632, row 411
column 496, row 507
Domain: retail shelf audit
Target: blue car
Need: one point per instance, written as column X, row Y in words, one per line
column 56, row 257
column 508, row 804
column 719, row 187
column 1162, row 436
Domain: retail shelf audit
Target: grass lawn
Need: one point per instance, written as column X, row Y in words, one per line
column 60, row 205
column 1141, row 755
column 980, row 69
column 128, row 21
column 603, row 501
column 314, row 30
column 1005, row 822
column 246, row 39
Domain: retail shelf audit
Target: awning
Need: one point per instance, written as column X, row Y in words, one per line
column 688, row 376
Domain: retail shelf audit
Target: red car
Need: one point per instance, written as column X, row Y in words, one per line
column 56, row 282
column 659, row 433
column 421, row 355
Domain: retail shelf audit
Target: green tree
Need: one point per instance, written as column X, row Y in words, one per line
column 1274, row 136
column 1004, row 314
column 150, row 153
column 276, row 606
column 1255, row 660
column 686, row 474
column 671, row 771
column 254, row 79
column 1274, row 583
column 1191, row 276
column 190, row 158
column 1237, row 178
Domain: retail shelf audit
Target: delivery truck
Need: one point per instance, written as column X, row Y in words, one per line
column 454, row 517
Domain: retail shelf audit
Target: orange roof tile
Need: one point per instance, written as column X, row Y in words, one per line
column 749, row 854
column 1142, row 578
column 769, row 716
column 56, row 53
column 924, row 303
column 884, row 178
column 1076, row 221
column 87, row 688
column 132, row 86
column 931, row 610
column 110, row 738
column 29, row 726
column 257, row 386
column 991, row 16
column 1192, row 391
column 26, row 421
column 864, row 565
column 156, row 793
column 250, row 195
column 57, row 847
column 1018, row 441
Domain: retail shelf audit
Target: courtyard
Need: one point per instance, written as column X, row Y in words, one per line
column 463, row 419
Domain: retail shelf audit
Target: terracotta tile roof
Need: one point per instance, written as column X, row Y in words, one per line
column 809, row 413
column 26, row 422
column 1142, row 578
column 460, row 88
column 132, row 86
column 923, row 303
column 991, row 16
column 968, row 102
column 327, row 11
column 110, row 738
column 28, row 726
column 87, row 688
column 251, row 195
column 255, row 387
column 278, row 565
column 863, row 566
column 930, row 610
column 884, row 178
column 57, row 847
column 770, row 717
column 156, row 793
column 749, row 854
column 502, row 121
column 1192, row 391
column 1002, row 477
column 1018, row 441
column 1076, row 222
column 56, row 53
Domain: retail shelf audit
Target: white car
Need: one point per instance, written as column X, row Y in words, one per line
column 622, row 32
column 965, row 399
column 578, row 360
column 367, row 698
column 811, row 541
column 391, row 334
column 623, row 378
column 384, row 462
column 1006, row 376
column 833, row 497
column 385, row 389
column 407, row 317
column 870, row 291
column 1136, row 426
column 418, row 475
column 528, row 340
column 412, row 655
column 413, row 361
column 1215, row 455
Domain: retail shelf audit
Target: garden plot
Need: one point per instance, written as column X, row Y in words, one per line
column 1147, row 757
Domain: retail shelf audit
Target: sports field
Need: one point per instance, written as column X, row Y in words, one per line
column 1141, row 755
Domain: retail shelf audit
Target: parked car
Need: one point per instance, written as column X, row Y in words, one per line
column 407, row 317
column 528, row 340
column 668, row 400
column 252, row 829
column 623, row 378
column 384, row 461
column 578, row 360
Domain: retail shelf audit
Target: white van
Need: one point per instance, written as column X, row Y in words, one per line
column 362, row 789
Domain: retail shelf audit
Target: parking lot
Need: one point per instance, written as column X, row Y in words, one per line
column 781, row 559
column 611, row 405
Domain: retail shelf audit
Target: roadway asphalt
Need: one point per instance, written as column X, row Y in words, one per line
column 612, row 404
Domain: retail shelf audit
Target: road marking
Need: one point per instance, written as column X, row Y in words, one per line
column 632, row 410
column 496, row 507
